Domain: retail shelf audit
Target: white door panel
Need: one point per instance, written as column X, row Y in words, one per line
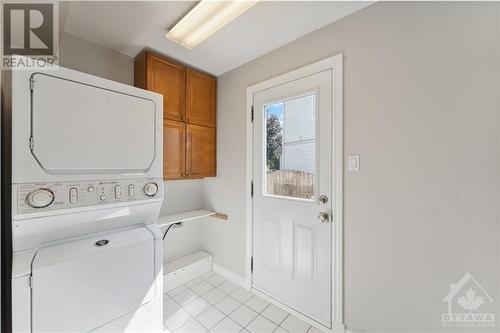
column 91, row 129
column 304, row 253
column 271, row 243
column 291, row 247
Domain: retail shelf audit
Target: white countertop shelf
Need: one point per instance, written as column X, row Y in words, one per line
column 188, row 216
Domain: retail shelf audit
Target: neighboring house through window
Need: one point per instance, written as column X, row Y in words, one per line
column 299, row 135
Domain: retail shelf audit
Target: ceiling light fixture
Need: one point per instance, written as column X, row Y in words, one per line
column 205, row 19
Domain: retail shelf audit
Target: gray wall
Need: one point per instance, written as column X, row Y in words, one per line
column 421, row 105
column 84, row 56
column 181, row 196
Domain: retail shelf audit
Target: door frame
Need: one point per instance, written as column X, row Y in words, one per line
column 335, row 64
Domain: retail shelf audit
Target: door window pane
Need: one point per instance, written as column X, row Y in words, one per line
column 290, row 148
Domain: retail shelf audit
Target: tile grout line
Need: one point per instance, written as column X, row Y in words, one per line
column 211, row 305
column 182, row 307
column 201, row 296
column 203, row 279
column 226, row 315
column 260, row 314
column 240, row 305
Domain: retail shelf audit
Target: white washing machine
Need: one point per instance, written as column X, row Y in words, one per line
column 86, row 193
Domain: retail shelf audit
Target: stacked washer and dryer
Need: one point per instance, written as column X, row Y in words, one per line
column 86, row 194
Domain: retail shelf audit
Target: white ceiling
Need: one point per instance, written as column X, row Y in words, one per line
column 128, row 27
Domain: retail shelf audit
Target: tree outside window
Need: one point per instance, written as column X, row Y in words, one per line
column 274, row 141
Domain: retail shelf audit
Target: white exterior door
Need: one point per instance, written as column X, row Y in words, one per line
column 292, row 201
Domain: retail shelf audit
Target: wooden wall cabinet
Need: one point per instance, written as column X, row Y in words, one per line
column 200, row 151
column 200, row 99
column 189, row 113
column 164, row 77
column 174, row 139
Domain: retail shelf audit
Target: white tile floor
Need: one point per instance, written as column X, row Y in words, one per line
column 212, row 304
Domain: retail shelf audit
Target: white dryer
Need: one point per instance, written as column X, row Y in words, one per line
column 86, row 193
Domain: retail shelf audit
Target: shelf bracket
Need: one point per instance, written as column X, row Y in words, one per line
column 221, row 216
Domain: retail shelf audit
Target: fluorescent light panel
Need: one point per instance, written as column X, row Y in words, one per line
column 205, row 19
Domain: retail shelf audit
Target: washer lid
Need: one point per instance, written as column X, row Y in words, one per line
column 83, row 284
column 79, row 128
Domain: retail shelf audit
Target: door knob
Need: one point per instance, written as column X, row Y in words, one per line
column 323, row 217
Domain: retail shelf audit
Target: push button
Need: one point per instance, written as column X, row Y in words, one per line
column 102, row 197
column 73, row 195
column 131, row 191
column 118, row 192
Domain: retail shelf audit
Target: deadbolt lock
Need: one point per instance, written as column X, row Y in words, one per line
column 323, row 199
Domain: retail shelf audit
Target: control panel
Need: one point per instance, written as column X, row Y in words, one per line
column 61, row 195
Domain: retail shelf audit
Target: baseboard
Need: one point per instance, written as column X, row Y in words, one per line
column 234, row 278
column 340, row 329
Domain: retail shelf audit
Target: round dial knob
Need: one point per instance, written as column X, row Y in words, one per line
column 40, row 198
column 150, row 189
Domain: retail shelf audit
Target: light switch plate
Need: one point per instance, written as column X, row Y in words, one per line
column 353, row 163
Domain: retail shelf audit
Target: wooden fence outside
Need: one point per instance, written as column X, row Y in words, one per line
column 290, row 183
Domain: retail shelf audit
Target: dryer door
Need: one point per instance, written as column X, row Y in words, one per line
column 78, row 128
column 83, row 284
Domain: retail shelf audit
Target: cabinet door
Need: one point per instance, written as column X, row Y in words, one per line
column 174, row 136
column 168, row 79
column 200, row 151
column 200, row 98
